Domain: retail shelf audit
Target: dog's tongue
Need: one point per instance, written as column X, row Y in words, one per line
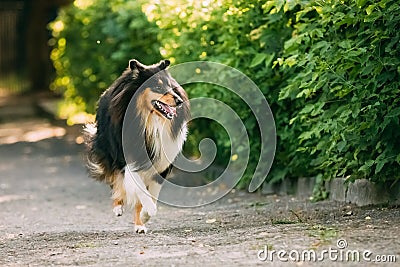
column 170, row 109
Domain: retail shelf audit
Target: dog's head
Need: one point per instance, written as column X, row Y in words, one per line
column 159, row 94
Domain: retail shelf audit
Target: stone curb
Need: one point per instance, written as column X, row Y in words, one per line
column 361, row 193
column 364, row 192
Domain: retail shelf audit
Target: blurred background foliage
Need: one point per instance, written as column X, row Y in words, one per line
column 329, row 70
column 93, row 41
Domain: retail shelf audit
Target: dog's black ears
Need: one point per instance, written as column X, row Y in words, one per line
column 136, row 65
column 164, row 64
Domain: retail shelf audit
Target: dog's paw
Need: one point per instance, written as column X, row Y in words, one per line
column 144, row 216
column 118, row 210
column 140, row 229
column 150, row 209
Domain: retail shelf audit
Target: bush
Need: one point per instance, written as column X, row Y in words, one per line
column 239, row 34
column 344, row 56
column 329, row 70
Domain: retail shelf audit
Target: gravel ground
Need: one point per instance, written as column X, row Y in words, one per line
column 52, row 214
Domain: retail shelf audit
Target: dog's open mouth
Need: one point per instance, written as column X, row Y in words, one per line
column 168, row 111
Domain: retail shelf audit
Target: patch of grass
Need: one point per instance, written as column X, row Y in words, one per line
column 288, row 221
column 277, row 222
column 258, row 204
column 323, row 233
column 297, row 216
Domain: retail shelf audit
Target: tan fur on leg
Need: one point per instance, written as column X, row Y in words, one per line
column 138, row 209
column 139, row 225
column 118, row 207
column 154, row 190
column 118, row 194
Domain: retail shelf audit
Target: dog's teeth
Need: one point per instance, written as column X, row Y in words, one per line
column 163, row 110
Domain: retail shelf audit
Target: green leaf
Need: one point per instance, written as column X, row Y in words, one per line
column 307, row 109
column 279, row 4
column 394, row 112
column 361, row 3
column 268, row 59
column 380, row 165
column 341, row 145
column 367, row 165
column 346, row 44
column 291, row 61
column 370, row 9
column 306, row 135
column 268, row 6
column 289, row 5
column 257, row 60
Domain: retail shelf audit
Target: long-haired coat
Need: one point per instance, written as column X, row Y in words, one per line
column 140, row 128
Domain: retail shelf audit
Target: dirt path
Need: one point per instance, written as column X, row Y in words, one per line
column 51, row 214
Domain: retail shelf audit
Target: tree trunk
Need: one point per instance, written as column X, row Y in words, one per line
column 38, row 62
column 39, row 66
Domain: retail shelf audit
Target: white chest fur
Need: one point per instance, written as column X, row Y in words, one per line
column 165, row 147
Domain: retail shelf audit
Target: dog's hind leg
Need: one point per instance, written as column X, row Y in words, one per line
column 118, row 207
column 118, row 194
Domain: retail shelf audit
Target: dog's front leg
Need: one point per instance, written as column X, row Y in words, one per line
column 137, row 194
column 154, row 190
column 139, row 225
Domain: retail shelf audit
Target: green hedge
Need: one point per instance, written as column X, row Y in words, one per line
column 329, row 69
column 345, row 56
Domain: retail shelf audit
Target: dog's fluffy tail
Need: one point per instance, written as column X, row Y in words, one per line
column 94, row 167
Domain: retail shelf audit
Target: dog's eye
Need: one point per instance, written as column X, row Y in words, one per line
column 159, row 89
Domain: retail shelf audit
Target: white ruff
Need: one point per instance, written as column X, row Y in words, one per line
column 165, row 146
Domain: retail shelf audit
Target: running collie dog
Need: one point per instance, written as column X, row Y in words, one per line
column 140, row 128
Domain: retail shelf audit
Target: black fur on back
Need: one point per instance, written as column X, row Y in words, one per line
column 105, row 155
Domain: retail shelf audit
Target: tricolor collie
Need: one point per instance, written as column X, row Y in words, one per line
column 140, row 128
